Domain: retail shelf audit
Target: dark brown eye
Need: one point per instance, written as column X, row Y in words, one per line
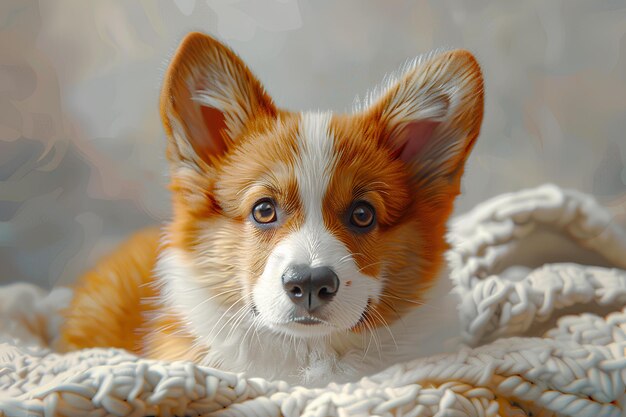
column 362, row 215
column 264, row 212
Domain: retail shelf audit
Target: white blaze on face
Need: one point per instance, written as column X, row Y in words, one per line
column 313, row 244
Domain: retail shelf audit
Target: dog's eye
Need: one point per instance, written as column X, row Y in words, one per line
column 264, row 212
column 362, row 215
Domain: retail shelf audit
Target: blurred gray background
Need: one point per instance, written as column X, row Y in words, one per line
column 81, row 145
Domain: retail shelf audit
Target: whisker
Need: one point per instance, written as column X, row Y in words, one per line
column 203, row 302
column 419, row 303
column 386, row 326
column 222, row 316
column 237, row 322
column 369, row 265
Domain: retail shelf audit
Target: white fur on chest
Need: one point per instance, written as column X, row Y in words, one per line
column 239, row 346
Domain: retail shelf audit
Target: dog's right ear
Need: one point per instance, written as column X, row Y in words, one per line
column 208, row 97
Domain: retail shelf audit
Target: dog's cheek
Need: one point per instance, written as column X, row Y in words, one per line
column 256, row 248
column 367, row 253
column 267, row 292
column 356, row 292
column 263, row 267
column 382, row 257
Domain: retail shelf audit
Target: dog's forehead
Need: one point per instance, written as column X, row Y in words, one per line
column 300, row 145
column 315, row 161
column 307, row 153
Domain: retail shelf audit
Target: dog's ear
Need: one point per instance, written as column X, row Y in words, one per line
column 430, row 115
column 208, row 98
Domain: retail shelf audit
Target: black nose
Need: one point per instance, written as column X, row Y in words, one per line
column 309, row 287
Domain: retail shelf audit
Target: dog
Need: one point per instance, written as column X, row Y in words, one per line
column 307, row 247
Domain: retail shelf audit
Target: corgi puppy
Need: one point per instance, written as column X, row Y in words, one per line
column 307, row 246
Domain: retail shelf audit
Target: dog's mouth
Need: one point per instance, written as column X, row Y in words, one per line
column 307, row 321
column 303, row 320
column 295, row 318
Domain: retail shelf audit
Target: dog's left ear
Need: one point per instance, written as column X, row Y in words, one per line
column 431, row 115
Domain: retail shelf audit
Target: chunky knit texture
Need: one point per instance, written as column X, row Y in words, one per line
column 518, row 262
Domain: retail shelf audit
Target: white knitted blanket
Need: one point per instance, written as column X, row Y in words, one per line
column 518, row 261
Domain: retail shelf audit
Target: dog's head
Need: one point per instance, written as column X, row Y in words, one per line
column 314, row 222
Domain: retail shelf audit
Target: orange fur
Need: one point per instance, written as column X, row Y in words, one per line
column 110, row 302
